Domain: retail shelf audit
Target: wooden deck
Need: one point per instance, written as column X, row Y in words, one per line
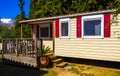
column 29, row 61
column 21, row 50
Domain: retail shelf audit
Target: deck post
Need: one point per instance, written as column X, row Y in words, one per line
column 41, row 43
column 2, row 47
column 16, row 48
column 35, row 45
column 34, row 38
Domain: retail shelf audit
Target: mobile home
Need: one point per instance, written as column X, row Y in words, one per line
column 91, row 35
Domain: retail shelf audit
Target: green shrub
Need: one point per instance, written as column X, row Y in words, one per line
column 0, row 57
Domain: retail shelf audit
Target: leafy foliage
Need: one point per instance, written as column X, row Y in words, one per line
column 21, row 6
column 117, row 10
column 47, row 8
column 44, row 8
column 19, row 17
column 6, row 32
column 43, row 51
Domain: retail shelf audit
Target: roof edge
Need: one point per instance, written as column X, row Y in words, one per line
column 65, row 16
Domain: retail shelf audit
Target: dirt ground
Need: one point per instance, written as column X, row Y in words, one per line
column 86, row 70
column 72, row 70
column 63, row 72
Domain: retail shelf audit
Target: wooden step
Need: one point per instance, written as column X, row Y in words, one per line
column 44, row 69
column 52, row 57
column 49, row 54
column 58, row 60
column 61, row 64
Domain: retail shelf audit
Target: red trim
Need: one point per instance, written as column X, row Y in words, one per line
column 79, row 27
column 57, row 28
column 37, row 31
column 107, row 25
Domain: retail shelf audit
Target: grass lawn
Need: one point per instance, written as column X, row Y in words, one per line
column 76, row 70
column 89, row 70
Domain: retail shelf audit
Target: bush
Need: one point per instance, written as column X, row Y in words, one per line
column 0, row 57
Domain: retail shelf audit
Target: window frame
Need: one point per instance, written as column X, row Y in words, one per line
column 93, row 17
column 44, row 25
column 65, row 20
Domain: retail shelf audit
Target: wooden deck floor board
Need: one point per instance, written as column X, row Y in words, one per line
column 22, row 59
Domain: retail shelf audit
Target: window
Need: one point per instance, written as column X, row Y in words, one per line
column 64, row 28
column 44, row 31
column 92, row 26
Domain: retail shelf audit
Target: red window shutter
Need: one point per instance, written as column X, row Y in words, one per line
column 51, row 33
column 107, row 25
column 37, row 31
column 57, row 28
column 79, row 27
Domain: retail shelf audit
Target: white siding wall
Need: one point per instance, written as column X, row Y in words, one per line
column 48, row 43
column 115, row 28
column 100, row 49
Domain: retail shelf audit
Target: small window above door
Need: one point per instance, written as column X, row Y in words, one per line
column 44, row 31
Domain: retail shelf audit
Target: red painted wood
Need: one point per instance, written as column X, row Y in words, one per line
column 57, row 28
column 79, row 27
column 107, row 25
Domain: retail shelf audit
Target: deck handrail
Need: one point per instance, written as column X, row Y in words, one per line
column 21, row 46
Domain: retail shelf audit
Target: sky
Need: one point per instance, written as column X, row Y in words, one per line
column 9, row 8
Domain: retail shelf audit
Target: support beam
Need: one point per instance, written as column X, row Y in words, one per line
column 3, row 47
column 34, row 38
column 32, row 31
column 53, row 35
column 21, row 30
column 53, row 30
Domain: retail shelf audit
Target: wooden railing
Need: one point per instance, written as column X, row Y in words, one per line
column 21, row 46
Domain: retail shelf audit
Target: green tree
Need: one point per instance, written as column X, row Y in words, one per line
column 6, row 32
column 19, row 17
column 47, row 8
column 21, row 6
column 117, row 9
column 44, row 8
column 17, row 26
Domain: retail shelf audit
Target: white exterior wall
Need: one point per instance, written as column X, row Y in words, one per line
column 99, row 49
column 48, row 43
